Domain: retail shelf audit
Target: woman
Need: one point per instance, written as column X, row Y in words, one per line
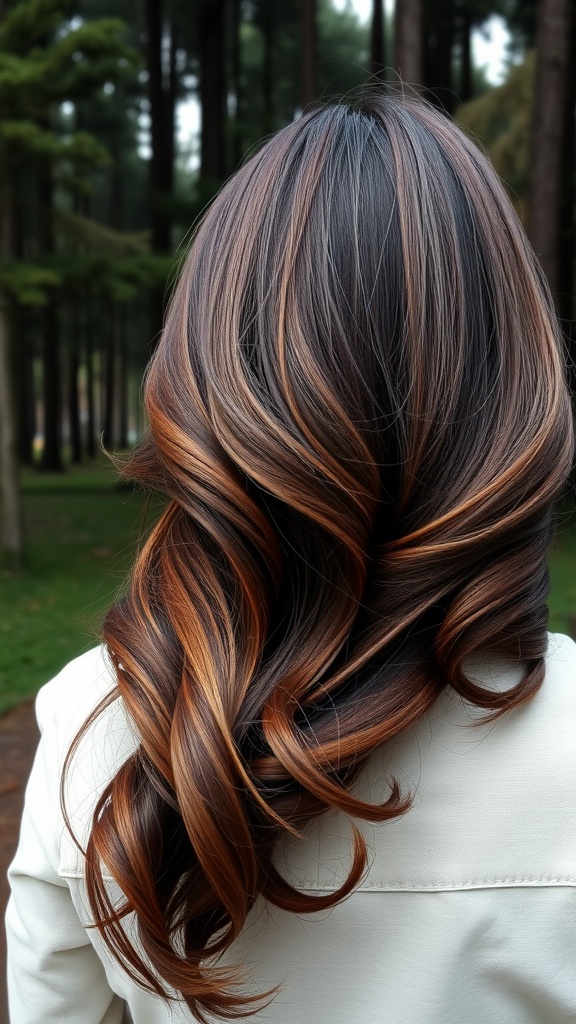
column 359, row 416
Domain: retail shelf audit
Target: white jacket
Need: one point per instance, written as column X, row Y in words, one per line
column 467, row 914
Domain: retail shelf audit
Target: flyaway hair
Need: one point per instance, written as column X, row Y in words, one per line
column 359, row 415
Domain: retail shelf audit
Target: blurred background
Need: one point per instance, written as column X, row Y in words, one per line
column 119, row 119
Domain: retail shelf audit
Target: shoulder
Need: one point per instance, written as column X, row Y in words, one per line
column 496, row 799
column 84, row 696
column 538, row 737
column 526, row 759
column 492, row 802
column 561, row 665
column 81, row 709
column 70, row 697
column 84, row 693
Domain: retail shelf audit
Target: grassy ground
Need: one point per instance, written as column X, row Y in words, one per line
column 82, row 534
column 562, row 601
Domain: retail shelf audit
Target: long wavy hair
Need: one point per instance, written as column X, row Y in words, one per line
column 359, row 415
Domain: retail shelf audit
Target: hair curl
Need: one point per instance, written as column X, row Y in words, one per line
column 358, row 412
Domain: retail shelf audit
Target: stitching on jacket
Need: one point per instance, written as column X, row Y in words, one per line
column 496, row 883
column 474, row 883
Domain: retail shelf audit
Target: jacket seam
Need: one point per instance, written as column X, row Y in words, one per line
column 472, row 883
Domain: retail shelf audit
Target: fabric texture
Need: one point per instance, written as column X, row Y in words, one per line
column 467, row 911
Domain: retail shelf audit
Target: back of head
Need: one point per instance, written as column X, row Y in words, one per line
column 358, row 412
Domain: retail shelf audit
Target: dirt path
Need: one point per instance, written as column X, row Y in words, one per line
column 18, row 740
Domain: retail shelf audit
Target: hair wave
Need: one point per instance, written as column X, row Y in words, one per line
column 358, row 413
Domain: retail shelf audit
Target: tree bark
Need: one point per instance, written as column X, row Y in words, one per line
column 12, row 532
column 439, row 23
column 308, row 36
column 466, row 82
column 109, row 380
column 408, row 44
column 12, row 539
column 567, row 239
column 122, row 383
column 268, row 69
column 25, row 418
column 90, row 393
column 236, row 81
column 51, row 459
column 24, row 386
column 552, row 46
column 162, row 88
column 73, row 402
column 161, row 97
column 211, row 49
column 378, row 41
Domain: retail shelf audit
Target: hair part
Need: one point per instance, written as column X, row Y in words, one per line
column 358, row 413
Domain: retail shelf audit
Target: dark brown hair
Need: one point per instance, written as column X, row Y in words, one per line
column 359, row 415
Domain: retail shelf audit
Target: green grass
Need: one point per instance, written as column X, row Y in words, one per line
column 562, row 562
column 82, row 532
column 81, row 535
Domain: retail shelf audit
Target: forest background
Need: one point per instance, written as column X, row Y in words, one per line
column 97, row 198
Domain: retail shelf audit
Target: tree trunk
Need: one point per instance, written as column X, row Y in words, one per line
column 378, row 41
column 12, row 533
column 116, row 197
column 122, row 382
column 408, row 43
column 24, row 386
column 73, row 403
column 51, row 459
column 109, row 381
column 90, row 393
column 438, row 43
column 567, row 240
column 567, row 254
column 308, row 34
column 552, row 46
column 25, row 418
column 466, row 83
column 268, row 69
column 212, row 51
column 236, row 81
column 162, row 99
column 12, row 540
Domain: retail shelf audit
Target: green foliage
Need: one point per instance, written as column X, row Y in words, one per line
column 27, row 141
column 28, row 25
column 27, row 283
column 500, row 121
column 94, row 260
column 67, row 66
column 21, row 84
column 87, row 57
column 115, row 278
column 83, row 234
column 45, row 59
